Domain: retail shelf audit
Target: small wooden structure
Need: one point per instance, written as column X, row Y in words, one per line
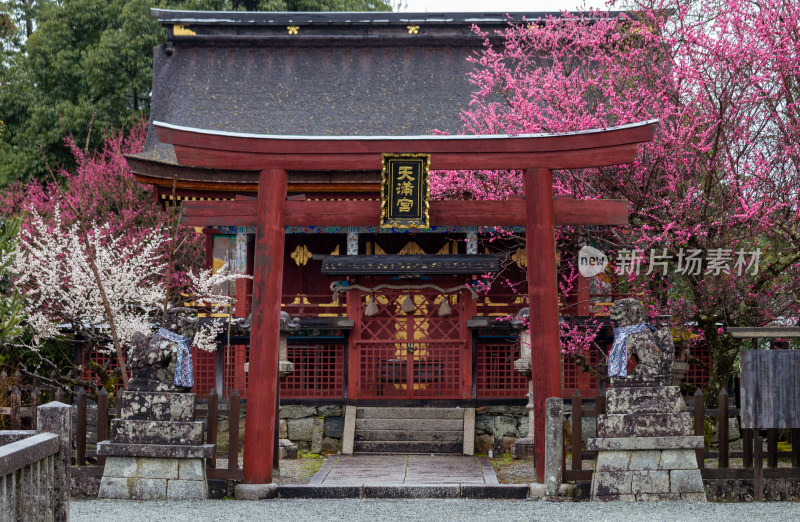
column 770, row 389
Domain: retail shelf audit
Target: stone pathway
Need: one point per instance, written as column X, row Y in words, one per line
column 383, row 470
column 397, row 476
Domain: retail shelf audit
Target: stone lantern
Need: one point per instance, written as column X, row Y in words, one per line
column 524, row 447
column 285, row 367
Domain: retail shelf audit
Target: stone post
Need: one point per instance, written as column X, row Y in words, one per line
column 56, row 417
column 524, row 448
column 553, row 445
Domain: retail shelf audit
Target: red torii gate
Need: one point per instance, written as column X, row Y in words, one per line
column 273, row 156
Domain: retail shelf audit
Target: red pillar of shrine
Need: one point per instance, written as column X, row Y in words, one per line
column 543, row 301
column 262, row 382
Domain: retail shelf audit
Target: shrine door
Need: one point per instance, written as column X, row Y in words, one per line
column 412, row 355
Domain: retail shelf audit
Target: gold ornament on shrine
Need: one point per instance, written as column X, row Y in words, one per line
column 405, row 191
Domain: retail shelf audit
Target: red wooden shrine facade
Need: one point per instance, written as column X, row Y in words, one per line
column 449, row 358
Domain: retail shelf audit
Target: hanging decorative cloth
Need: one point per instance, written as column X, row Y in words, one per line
column 372, row 308
column 183, row 364
column 444, row 308
column 408, row 304
column 618, row 358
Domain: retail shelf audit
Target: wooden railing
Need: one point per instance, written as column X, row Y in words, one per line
column 34, row 467
column 576, row 472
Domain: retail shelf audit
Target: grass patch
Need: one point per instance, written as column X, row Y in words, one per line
column 512, row 471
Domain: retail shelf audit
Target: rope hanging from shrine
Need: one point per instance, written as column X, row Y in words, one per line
column 408, row 306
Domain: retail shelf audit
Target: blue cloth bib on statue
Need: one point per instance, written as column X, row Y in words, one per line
column 618, row 358
column 183, row 364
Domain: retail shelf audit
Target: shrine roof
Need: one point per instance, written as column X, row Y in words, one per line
column 313, row 74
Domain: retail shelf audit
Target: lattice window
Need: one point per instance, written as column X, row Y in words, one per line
column 318, row 371
column 495, row 373
column 234, row 374
column 695, row 375
column 203, row 366
column 235, row 360
column 577, row 380
column 415, row 354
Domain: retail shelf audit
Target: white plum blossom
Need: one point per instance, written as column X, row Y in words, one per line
column 52, row 268
column 207, row 291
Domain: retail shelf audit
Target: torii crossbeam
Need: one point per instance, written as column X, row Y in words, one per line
column 273, row 156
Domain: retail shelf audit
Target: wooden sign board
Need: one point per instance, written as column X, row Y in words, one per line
column 770, row 387
column 405, row 191
column 410, row 264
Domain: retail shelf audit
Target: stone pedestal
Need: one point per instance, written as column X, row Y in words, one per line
column 524, row 447
column 156, row 449
column 645, row 447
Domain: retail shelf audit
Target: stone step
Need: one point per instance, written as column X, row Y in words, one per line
column 361, row 446
column 410, row 413
column 409, row 425
column 402, row 435
column 645, row 443
column 657, row 399
column 158, row 406
column 644, row 425
column 132, row 431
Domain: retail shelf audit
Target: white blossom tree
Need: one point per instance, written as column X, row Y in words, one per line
column 84, row 279
column 97, row 287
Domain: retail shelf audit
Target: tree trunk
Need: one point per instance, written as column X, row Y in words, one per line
column 723, row 349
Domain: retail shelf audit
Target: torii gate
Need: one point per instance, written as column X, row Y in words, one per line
column 272, row 156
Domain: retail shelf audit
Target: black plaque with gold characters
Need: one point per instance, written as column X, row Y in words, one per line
column 405, row 191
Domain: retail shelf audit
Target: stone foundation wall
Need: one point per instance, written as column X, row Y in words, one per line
column 741, row 490
column 497, row 428
column 317, row 429
column 320, row 428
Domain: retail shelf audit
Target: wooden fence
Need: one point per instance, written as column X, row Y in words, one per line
column 89, row 466
column 34, row 468
column 722, row 416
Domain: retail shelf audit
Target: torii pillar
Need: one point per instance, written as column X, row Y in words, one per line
column 540, row 251
column 267, row 289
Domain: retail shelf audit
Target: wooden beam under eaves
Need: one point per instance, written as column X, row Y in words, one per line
column 510, row 212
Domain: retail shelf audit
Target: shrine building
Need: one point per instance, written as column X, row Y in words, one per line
column 279, row 133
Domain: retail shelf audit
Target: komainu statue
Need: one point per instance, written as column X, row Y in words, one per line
column 163, row 362
column 633, row 337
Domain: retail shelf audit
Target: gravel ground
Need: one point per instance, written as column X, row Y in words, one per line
column 372, row 510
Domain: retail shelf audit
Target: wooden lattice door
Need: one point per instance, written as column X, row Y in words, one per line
column 417, row 354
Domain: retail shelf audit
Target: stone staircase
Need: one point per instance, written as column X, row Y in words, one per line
column 409, row 430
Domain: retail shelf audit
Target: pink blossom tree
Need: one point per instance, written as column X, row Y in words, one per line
column 718, row 185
